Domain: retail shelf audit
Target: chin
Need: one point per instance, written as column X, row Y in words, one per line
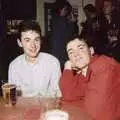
column 82, row 66
column 33, row 55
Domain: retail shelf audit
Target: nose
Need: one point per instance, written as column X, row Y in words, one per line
column 76, row 53
column 33, row 45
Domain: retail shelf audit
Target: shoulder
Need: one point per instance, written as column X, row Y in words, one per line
column 103, row 62
column 48, row 58
column 107, row 60
column 17, row 61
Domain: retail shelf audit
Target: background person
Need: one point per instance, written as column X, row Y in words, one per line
column 110, row 29
column 64, row 28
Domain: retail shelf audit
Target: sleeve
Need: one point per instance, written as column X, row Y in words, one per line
column 71, row 85
column 100, row 99
column 13, row 76
column 54, row 82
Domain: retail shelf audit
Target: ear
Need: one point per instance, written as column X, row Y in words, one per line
column 92, row 51
column 19, row 43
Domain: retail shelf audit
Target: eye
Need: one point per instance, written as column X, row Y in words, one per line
column 81, row 47
column 37, row 39
column 70, row 53
column 27, row 40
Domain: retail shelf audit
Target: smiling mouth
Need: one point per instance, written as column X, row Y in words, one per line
column 33, row 51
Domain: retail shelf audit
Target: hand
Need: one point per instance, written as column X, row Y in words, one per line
column 68, row 65
column 76, row 70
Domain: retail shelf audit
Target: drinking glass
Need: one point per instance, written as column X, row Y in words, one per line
column 9, row 94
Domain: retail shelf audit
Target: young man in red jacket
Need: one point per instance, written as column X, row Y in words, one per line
column 91, row 81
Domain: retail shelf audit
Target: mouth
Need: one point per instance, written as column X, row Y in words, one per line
column 33, row 50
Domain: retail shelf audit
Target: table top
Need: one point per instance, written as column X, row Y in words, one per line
column 29, row 109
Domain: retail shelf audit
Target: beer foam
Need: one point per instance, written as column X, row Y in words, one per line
column 6, row 85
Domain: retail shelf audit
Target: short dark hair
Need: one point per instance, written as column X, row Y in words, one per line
column 89, row 40
column 108, row 1
column 90, row 8
column 27, row 25
column 58, row 5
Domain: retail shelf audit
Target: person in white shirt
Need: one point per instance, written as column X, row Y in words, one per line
column 35, row 73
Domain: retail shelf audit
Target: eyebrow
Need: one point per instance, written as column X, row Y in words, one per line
column 81, row 45
column 30, row 37
column 26, row 38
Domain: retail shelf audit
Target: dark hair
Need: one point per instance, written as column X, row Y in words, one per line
column 27, row 25
column 58, row 5
column 90, row 8
column 111, row 1
column 89, row 40
column 69, row 8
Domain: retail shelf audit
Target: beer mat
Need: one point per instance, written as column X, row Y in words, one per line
column 32, row 113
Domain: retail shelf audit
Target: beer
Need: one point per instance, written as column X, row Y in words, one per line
column 9, row 94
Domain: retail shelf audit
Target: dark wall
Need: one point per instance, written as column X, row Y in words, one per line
column 12, row 9
column 20, row 9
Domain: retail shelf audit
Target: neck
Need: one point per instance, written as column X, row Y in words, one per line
column 31, row 60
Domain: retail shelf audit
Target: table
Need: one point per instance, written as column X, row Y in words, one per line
column 29, row 109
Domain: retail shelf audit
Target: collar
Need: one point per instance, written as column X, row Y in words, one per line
column 31, row 64
column 89, row 71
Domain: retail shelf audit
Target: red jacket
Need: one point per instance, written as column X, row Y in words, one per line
column 98, row 93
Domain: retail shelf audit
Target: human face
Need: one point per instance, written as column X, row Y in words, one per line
column 107, row 7
column 31, row 43
column 63, row 11
column 79, row 53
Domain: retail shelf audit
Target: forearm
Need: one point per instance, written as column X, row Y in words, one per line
column 69, row 85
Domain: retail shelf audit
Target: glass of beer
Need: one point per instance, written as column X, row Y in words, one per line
column 9, row 94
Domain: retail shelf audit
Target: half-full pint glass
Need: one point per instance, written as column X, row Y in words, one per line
column 9, row 94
